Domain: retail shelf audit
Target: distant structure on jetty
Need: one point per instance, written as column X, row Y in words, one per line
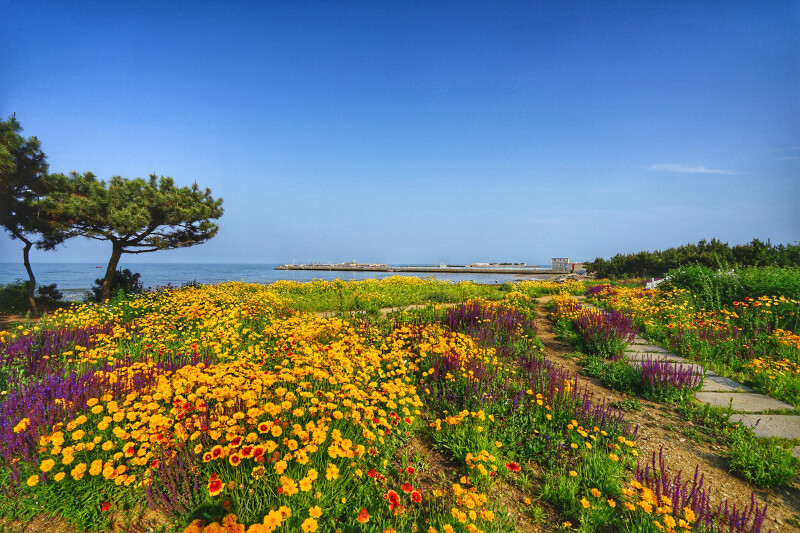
column 558, row 265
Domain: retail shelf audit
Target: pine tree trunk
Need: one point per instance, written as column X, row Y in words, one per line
column 31, row 277
column 116, row 253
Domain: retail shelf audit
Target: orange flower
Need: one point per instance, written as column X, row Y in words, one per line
column 394, row 500
column 514, row 467
column 215, row 486
column 363, row 516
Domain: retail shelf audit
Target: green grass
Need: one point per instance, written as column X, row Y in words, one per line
column 371, row 295
column 763, row 462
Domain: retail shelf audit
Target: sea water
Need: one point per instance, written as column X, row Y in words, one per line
column 75, row 279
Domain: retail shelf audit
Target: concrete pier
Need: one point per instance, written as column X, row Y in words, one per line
column 531, row 270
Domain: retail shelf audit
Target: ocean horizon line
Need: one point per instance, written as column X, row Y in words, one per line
column 76, row 279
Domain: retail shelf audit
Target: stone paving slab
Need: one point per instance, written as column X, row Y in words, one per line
column 644, row 356
column 784, row 426
column 715, row 383
column 696, row 369
column 647, row 348
column 796, row 451
column 742, row 401
column 639, row 340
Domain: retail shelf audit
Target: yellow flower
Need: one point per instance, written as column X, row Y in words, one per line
column 585, row 503
column 47, row 465
column 78, row 472
column 573, row 473
column 22, row 426
column 96, row 468
column 33, row 480
column 309, row 525
column 332, row 472
column 315, row 512
column 596, row 493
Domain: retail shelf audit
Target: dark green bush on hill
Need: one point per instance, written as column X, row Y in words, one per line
column 713, row 254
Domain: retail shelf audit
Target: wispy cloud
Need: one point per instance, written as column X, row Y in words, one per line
column 687, row 169
column 790, row 151
column 787, row 149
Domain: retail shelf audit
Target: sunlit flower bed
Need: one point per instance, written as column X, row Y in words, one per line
column 224, row 409
column 753, row 337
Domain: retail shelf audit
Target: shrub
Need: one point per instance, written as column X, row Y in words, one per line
column 761, row 462
column 622, row 376
column 124, row 280
column 664, row 381
column 593, row 366
column 604, row 333
column 49, row 292
column 14, row 296
column 771, row 281
column 710, row 289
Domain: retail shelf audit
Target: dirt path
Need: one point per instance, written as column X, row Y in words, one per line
column 10, row 321
column 662, row 425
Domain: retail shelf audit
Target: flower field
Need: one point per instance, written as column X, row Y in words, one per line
column 752, row 340
column 604, row 335
column 225, row 408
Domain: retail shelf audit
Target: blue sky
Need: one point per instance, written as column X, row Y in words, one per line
column 420, row 132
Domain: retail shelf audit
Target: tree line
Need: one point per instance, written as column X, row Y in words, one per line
column 713, row 254
column 43, row 209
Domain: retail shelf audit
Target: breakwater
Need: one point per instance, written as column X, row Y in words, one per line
column 448, row 269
